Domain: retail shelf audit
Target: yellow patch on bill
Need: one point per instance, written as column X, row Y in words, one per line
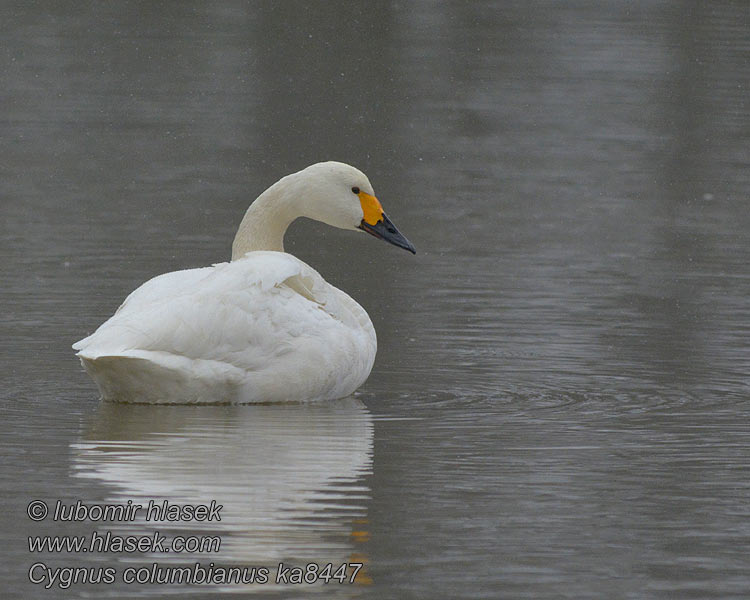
column 371, row 208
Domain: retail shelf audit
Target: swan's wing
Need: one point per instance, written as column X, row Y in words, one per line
column 246, row 313
column 160, row 289
column 163, row 287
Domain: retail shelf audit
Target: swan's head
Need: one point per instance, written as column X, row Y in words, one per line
column 340, row 195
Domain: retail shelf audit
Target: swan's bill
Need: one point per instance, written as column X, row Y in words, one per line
column 386, row 230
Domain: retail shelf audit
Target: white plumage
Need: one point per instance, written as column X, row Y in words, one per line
column 265, row 327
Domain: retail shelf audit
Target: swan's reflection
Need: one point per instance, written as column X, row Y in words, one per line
column 290, row 477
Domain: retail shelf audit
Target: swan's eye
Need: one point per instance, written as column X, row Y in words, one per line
column 355, row 189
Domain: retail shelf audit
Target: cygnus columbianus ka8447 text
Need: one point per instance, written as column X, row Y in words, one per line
column 264, row 327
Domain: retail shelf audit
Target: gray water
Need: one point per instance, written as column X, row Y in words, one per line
column 559, row 406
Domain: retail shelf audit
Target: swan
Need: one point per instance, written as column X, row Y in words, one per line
column 264, row 327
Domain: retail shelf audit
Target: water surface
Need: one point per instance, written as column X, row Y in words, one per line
column 560, row 401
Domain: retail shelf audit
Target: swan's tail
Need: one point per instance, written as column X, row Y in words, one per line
column 140, row 376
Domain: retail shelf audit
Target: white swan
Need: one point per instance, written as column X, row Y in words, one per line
column 264, row 327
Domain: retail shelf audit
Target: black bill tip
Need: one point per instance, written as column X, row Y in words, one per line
column 384, row 229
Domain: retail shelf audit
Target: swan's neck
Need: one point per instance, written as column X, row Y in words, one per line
column 267, row 219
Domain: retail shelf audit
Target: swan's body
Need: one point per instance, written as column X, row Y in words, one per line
column 264, row 327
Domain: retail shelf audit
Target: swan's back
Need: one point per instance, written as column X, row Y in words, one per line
column 264, row 328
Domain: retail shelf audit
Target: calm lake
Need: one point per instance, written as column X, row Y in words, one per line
column 560, row 403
